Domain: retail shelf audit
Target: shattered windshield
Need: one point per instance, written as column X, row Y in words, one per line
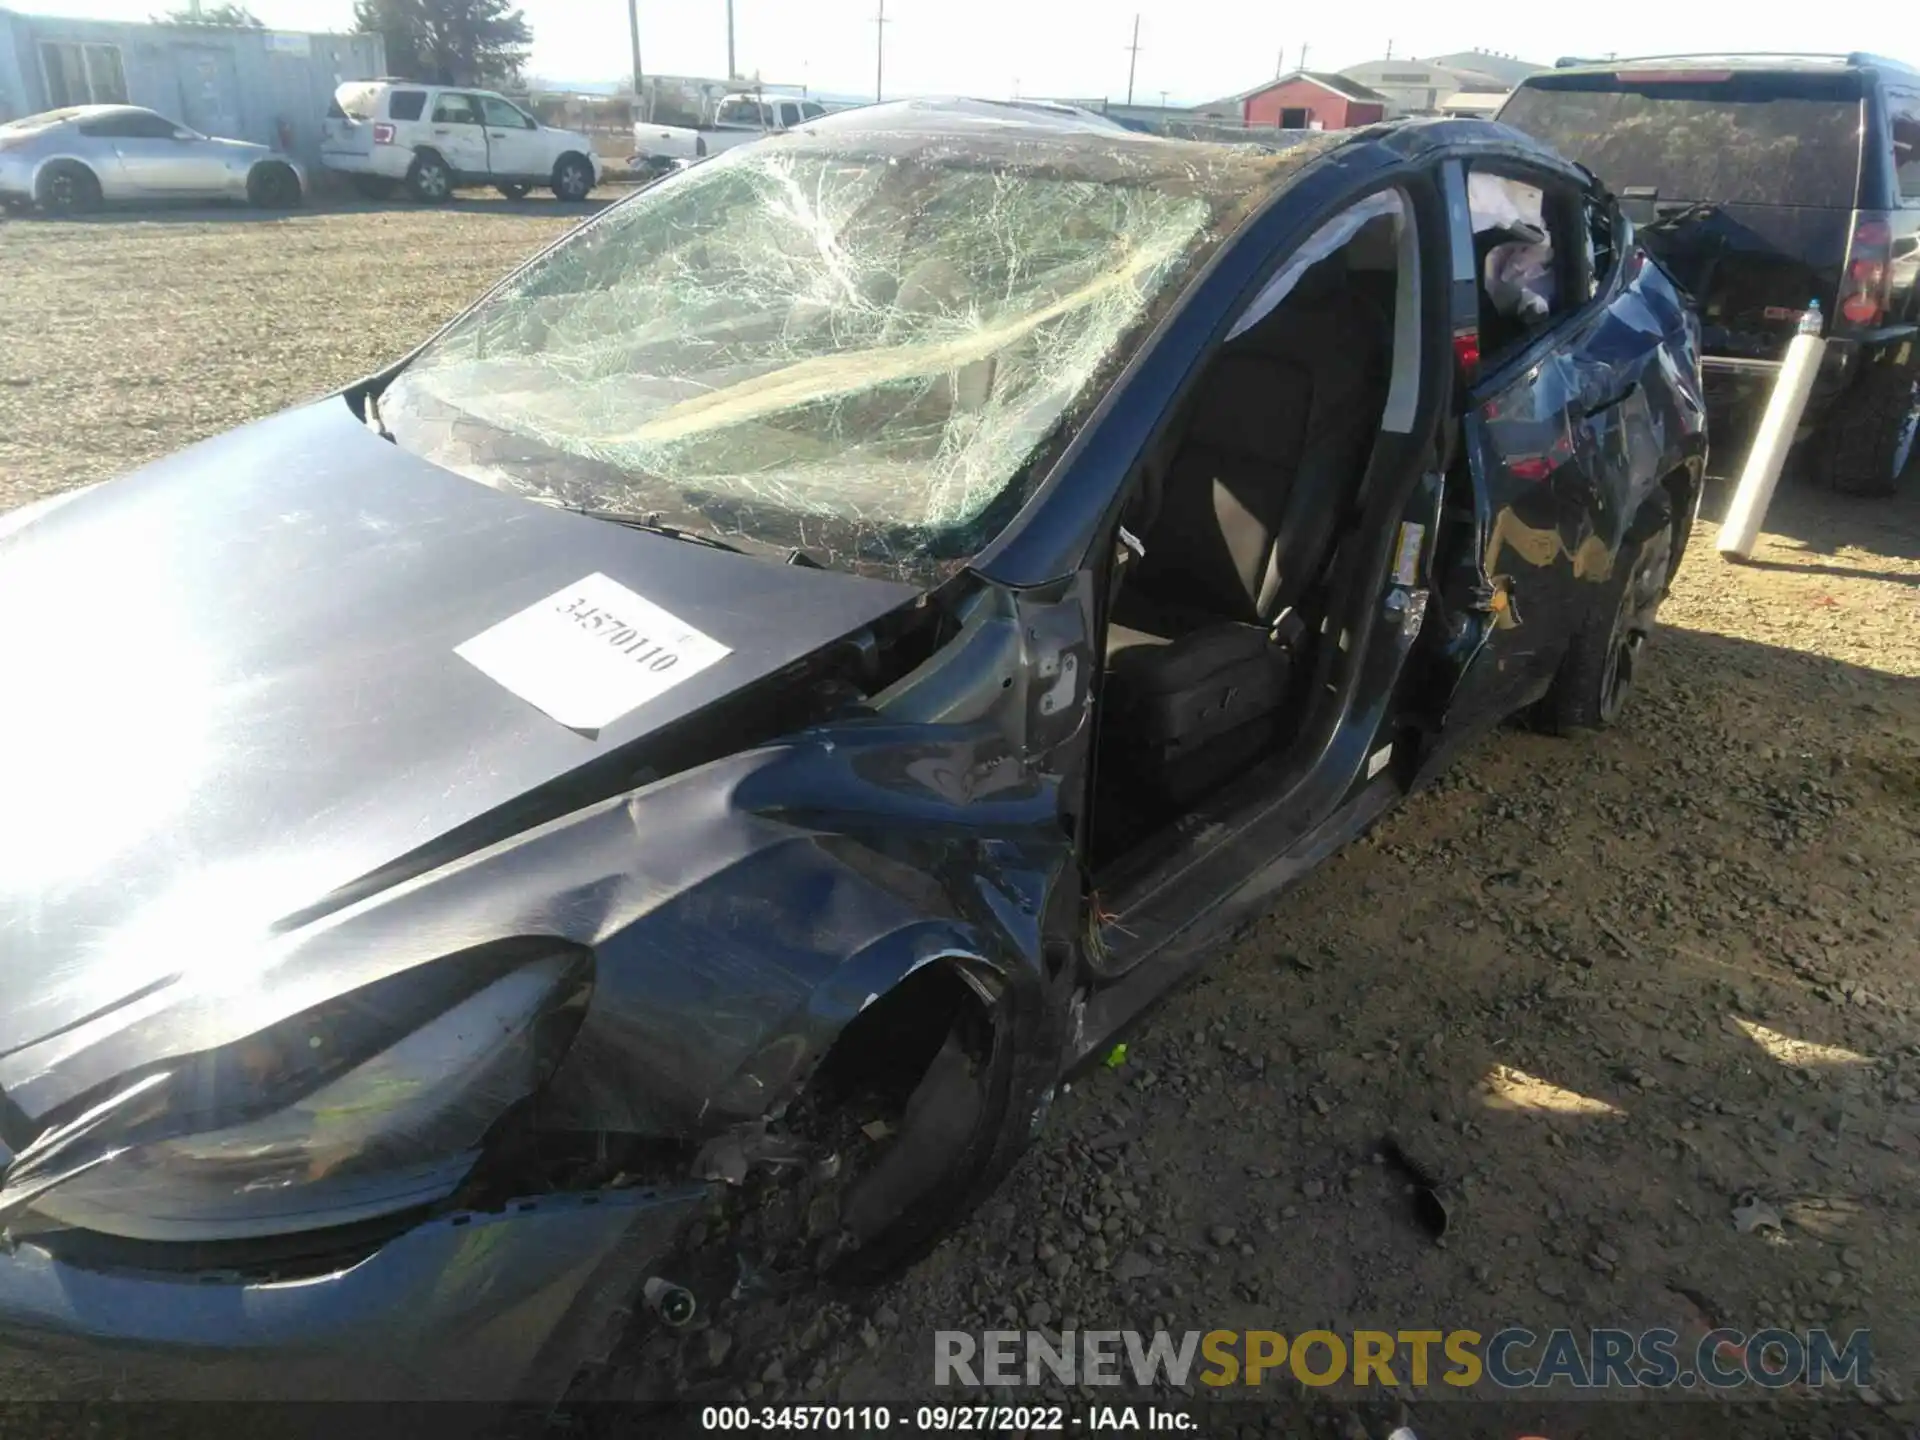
column 857, row 355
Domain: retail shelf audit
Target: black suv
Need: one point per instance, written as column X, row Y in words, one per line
column 1767, row 183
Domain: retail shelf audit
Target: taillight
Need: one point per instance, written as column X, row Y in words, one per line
column 1869, row 274
column 383, row 134
column 1466, row 354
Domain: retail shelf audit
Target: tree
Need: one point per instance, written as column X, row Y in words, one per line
column 449, row 42
column 210, row 15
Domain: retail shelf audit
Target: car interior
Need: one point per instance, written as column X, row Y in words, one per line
column 1220, row 581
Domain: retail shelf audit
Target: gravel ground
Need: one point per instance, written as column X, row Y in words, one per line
column 1697, row 931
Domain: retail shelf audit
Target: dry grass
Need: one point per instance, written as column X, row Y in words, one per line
column 125, row 337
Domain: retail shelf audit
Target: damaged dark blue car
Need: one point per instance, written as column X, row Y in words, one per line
column 658, row 787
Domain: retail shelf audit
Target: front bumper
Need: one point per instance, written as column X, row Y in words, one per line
column 494, row 1307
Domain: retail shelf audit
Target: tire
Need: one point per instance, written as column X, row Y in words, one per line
column 68, row 188
column 1596, row 674
column 374, row 187
column 273, row 186
column 1868, row 442
column 515, row 189
column 572, row 178
column 430, row 179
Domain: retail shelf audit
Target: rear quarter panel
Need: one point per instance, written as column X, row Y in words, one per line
column 1658, row 432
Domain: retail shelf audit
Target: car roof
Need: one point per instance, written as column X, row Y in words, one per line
column 68, row 114
column 1067, row 146
column 925, row 113
column 960, row 132
column 1745, row 61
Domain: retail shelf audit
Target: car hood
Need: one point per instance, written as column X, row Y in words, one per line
column 232, row 689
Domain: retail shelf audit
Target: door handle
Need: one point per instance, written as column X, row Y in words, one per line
column 1613, row 400
column 443, row 130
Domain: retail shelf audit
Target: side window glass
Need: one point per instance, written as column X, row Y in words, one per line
column 406, row 104
column 151, row 127
column 503, row 115
column 789, row 115
column 454, row 110
column 1515, row 260
column 1904, row 110
column 739, row 112
column 813, row 111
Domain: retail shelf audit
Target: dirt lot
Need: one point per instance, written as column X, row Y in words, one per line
column 1605, row 987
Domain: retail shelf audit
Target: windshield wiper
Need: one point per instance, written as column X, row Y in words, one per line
column 651, row 524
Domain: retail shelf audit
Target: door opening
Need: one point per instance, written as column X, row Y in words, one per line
column 1222, row 580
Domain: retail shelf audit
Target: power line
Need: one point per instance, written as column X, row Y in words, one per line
column 1133, row 57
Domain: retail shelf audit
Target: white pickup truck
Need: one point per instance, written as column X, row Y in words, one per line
column 736, row 120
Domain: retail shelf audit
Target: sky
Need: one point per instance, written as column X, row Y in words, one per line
column 1192, row 50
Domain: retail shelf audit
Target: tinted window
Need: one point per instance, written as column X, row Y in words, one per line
column 455, row 110
column 130, row 125
column 789, row 114
column 1752, row 139
column 502, row 114
column 1904, row 110
column 739, row 112
column 813, row 111
column 406, row 104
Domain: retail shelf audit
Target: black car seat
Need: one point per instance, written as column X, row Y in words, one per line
column 1205, row 632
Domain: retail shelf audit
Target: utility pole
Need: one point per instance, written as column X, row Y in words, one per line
column 1280, row 64
column 732, row 68
column 1133, row 57
column 1389, row 49
column 633, row 28
column 1303, row 55
column 880, row 53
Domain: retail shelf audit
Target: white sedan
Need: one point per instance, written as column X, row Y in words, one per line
column 74, row 160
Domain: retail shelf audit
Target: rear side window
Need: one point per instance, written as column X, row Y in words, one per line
column 1742, row 139
column 129, row 125
column 406, row 104
column 1903, row 109
column 354, row 102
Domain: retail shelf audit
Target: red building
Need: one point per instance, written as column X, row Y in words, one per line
column 1304, row 100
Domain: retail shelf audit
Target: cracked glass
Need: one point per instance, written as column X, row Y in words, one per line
column 858, row 355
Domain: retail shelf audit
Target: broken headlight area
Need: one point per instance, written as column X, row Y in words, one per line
column 857, row 1177
column 375, row 1103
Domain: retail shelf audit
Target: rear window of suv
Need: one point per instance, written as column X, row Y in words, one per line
column 1730, row 137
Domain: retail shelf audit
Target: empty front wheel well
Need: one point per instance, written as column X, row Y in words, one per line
column 885, row 1050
